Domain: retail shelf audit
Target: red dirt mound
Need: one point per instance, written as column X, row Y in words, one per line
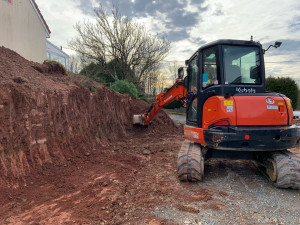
column 50, row 118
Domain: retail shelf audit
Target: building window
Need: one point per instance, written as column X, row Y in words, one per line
column 9, row 1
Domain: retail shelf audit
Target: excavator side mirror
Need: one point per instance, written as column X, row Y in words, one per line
column 277, row 44
column 180, row 72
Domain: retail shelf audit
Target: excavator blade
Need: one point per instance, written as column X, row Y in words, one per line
column 138, row 119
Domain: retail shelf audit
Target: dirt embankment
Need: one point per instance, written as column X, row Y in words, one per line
column 69, row 146
column 49, row 117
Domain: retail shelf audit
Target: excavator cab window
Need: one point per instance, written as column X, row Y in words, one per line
column 192, row 111
column 209, row 68
column 241, row 65
column 192, row 90
column 193, row 75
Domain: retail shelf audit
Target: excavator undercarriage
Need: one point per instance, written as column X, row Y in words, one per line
column 281, row 167
column 190, row 162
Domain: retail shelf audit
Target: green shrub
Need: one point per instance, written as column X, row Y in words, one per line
column 284, row 85
column 143, row 97
column 96, row 73
column 125, row 87
column 102, row 73
column 55, row 67
column 173, row 105
column 93, row 89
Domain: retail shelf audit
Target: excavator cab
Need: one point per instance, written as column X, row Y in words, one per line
column 230, row 115
column 227, row 100
column 223, row 68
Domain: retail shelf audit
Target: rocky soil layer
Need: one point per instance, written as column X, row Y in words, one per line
column 49, row 116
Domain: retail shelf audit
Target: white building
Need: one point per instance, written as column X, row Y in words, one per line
column 57, row 54
column 23, row 29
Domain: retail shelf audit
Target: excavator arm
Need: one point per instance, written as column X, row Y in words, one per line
column 176, row 92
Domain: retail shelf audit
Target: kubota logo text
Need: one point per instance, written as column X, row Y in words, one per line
column 245, row 90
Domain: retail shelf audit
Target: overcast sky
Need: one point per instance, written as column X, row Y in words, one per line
column 188, row 24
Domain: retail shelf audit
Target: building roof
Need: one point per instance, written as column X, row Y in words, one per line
column 43, row 21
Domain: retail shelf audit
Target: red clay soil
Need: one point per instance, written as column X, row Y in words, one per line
column 117, row 183
column 70, row 154
column 49, row 118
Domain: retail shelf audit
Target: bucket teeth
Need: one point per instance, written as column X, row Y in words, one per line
column 138, row 119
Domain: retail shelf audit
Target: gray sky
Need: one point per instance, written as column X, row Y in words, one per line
column 188, row 24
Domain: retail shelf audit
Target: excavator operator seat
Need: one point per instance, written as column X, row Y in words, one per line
column 233, row 74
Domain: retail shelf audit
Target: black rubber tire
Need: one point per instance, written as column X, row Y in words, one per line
column 190, row 163
column 286, row 167
column 288, row 170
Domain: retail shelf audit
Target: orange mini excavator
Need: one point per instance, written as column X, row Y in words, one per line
column 229, row 114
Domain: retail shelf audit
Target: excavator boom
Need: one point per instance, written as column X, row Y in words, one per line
column 176, row 92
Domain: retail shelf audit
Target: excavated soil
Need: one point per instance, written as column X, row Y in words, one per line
column 69, row 154
column 49, row 117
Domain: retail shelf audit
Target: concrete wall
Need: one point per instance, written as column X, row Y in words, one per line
column 21, row 30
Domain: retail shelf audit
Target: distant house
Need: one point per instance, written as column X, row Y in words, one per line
column 23, row 29
column 57, row 54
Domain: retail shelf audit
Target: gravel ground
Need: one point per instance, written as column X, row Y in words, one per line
column 247, row 197
column 180, row 118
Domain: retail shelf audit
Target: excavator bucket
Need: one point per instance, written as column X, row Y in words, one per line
column 138, row 119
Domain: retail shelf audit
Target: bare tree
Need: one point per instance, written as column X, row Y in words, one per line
column 173, row 69
column 161, row 83
column 150, row 80
column 120, row 41
column 156, row 81
column 75, row 64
